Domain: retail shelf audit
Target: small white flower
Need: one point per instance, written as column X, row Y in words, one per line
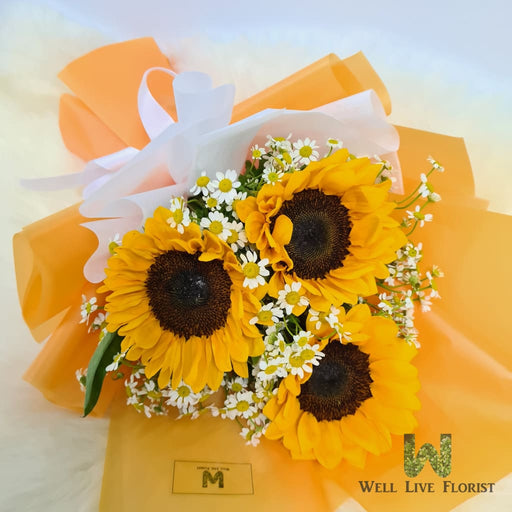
column 237, row 384
column 237, row 238
column 420, row 217
column 183, row 397
column 203, row 184
column 180, row 215
column 435, row 164
column 217, row 224
column 289, row 298
column 305, row 151
column 99, row 322
column 279, row 143
column 240, row 404
column 254, row 271
column 434, row 197
column 225, row 186
column 270, row 370
column 114, row 365
column 301, row 359
column 88, row 306
column 334, row 143
column 257, row 153
column 113, row 243
column 272, row 175
column 268, row 312
column 81, row 375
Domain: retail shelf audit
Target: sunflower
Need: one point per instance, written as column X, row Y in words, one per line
column 178, row 299
column 359, row 394
column 327, row 227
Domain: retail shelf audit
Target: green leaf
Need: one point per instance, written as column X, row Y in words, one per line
column 108, row 347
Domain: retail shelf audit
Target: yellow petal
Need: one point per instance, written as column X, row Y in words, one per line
column 329, row 451
column 308, row 431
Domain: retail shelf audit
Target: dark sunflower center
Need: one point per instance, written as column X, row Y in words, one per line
column 321, row 231
column 338, row 385
column 187, row 296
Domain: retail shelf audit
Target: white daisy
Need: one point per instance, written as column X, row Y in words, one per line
column 305, row 151
column 203, row 184
column 240, row 404
column 296, row 364
column 334, row 143
column 257, row 153
column 217, row 224
column 88, row 307
column 113, row 243
column 237, row 239
column 289, row 297
column 225, row 186
column 254, row 270
column 420, row 217
column 237, row 384
column 180, row 214
column 183, row 396
column 268, row 312
column 272, row 175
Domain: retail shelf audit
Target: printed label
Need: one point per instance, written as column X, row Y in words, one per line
column 197, row 477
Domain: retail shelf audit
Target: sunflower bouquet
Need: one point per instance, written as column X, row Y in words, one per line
column 281, row 297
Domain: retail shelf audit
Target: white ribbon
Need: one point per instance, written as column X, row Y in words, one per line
column 126, row 187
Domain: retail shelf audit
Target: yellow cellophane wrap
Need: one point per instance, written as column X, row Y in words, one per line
column 463, row 362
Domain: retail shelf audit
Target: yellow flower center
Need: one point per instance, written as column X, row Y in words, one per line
column 233, row 238
column 202, row 181
column 296, row 361
column 333, row 141
column 265, row 316
column 183, row 391
column 292, row 298
column 236, row 387
column 279, row 139
column 273, row 176
column 305, row 151
column 307, row 354
column 216, row 227
column 211, row 202
column 287, row 158
column 251, row 270
column 177, row 215
column 269, row 370
column 242, row 406
column 225, row 185
column 302, row 341
column 155, row 395
column 256, row 153
column 112, row 246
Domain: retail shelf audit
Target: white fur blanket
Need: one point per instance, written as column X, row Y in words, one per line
column 52, row 460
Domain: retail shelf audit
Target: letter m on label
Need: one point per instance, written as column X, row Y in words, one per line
column 441, row 462
column 208, row 478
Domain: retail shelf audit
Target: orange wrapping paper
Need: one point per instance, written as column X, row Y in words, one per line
column 462, row 362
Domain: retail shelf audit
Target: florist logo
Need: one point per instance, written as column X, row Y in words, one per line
column 207, row 477
column 441, row 463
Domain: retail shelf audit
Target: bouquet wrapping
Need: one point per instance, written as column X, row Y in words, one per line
column 462, row 364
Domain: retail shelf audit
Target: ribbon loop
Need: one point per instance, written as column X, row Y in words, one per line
column 154, row 117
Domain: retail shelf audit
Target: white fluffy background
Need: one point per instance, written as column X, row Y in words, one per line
column 51, row 460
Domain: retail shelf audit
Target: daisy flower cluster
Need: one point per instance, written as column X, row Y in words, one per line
column 407, row 286
column 421, row 198
column 93, row 315
column 147, row 398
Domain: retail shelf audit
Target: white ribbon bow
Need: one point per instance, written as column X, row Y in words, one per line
column 125, row 187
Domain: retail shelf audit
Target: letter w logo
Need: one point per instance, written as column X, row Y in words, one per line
column 218, row 477
column 441, row 463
